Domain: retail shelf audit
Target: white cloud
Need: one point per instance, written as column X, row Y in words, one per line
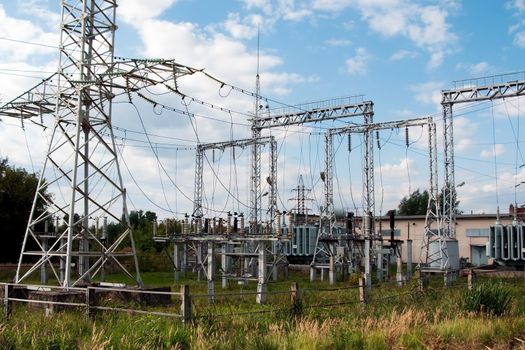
column 40, row 9
column 338, row 42
column 330, row 5
column 518, row 9
column 516, row 4
column 399, row 171
column 240, row 30
column 23, row 30
column 498, row 150
column 519, row 39
column 135, row 11
column 425, row 26
column 465, row 130
column 357, row 63
column 403, row 54
column 509, row 107
column 264, row 5
column 476, row 69
column 428, row 93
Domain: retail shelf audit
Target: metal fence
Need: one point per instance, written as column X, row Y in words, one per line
column 90, row 298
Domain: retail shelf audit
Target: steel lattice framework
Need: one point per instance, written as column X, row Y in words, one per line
column 199, row 165
column 471, row 90
column 368, row 180
column 81, row 168
column 297, row 115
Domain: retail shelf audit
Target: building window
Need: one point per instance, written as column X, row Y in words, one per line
column 477, row 232
column 397, row 233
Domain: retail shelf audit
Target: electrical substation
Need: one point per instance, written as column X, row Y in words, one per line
column 252, row 244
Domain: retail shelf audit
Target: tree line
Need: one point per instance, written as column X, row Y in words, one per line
column 17, row 192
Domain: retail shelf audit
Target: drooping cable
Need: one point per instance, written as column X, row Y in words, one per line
column 494, row 150
column 380, row 174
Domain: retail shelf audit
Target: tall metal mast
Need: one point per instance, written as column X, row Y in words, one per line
column 255, row 175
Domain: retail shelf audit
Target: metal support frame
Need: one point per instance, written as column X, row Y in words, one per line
column 297, row 115
column 242, row 143
column 465, row 91
column 328, row 219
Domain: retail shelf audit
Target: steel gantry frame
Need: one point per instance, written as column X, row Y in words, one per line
column 465, row 91
column 242, row 143
column 328, row 217
column 81, row 170
column 298, row 115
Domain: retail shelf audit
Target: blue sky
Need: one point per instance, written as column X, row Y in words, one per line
column 397, row 53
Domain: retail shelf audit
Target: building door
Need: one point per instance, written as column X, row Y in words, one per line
column 478, row 255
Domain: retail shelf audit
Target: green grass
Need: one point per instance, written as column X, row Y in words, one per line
column 395, row 318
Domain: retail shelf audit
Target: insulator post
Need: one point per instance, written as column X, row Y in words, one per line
column 229, row 224
column 241, row 231
column 278, row 226
column 349, row 142
column 407, row 141
column 290, row 224
column 377, row 139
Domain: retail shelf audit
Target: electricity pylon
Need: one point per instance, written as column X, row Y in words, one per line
column 81, row 168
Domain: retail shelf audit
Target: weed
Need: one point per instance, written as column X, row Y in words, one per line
column 486, row 297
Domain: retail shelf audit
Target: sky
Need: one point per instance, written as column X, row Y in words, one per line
column 399, row 54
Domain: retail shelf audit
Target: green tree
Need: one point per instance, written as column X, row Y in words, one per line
column 415, row 204
column 17, row 192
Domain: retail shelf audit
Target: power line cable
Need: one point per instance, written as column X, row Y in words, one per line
column 28, row 43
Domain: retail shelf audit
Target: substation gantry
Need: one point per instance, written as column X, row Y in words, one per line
column 346, row 252
column 81, row 168
column 440, row 245
column 245, row 251
column 314, row 112
column 239, row 248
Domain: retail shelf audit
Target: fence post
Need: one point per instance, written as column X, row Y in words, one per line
column 185, row 306
column 295, row 298
column 88, row 302
column 7, row 303
column 422, row 281
column 362, row 291
column 470, row 280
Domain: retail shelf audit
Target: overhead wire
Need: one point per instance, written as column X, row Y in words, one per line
column 28, row 42
column 340, row 193
column 495, row 157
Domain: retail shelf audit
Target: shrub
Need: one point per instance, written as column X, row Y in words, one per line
column 490, row 298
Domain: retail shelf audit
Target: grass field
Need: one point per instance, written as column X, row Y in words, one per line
column 394, row 318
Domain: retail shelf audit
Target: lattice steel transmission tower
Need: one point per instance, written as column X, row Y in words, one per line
column 301, row 197
column 82, row 157
column 81, row 169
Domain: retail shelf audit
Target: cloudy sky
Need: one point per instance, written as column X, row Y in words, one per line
column 398, row 53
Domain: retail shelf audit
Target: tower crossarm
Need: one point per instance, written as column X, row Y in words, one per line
column 39, row 100
column 483, row 93
column 122, row 77
column 315, row 115
column 234, row 143
column 381, row 126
